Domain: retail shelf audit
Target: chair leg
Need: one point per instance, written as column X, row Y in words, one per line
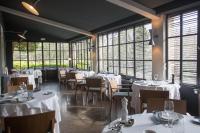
column 111, row 109
column 76, row 91
column 101, row 96
column 87, row 96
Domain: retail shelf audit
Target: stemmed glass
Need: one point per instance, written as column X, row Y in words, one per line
column 169, row 109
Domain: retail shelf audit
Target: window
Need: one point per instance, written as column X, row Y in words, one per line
column 103, row 63
column 20, row 55
column 182, row 47
column 81, row 51
column 127, row 51
column 62, row 55
column 38, row 54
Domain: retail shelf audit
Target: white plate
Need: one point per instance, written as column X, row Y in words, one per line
column 160, row 116
column 196, row 120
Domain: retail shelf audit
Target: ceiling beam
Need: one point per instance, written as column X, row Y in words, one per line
column 136, row 8
column 45, row 21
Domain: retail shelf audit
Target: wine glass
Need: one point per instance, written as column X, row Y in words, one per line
column 169, row 109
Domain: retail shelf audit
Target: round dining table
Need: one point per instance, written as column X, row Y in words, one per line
column 145, row 122
column 44, row 100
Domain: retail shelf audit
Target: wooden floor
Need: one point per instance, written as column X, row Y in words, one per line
column 78, row 116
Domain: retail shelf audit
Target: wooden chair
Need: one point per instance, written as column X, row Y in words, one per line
column 19, row 80
column 30, row 87
column 157, row 104
column 80, row 83
column 95, row 84
column 119, row 92
column 70, row 79
column 39, row 123
column 12, row 88
column 62, row 76
column 146, row 94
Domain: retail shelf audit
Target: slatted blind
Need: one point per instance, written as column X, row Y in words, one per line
column 182, row 47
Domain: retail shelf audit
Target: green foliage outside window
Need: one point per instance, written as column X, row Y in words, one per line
column 29, row 55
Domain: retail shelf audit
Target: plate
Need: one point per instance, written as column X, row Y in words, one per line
column 162, row 117
column 47, row 93
column 5, row 101
column 196, row 120
column 149, row 131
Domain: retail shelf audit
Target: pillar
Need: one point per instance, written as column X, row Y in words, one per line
column 158, row 50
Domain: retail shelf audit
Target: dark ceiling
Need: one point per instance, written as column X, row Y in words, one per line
column 85, row 14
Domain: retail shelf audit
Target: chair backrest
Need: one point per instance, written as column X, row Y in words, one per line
column 94, row 82
column 113, row 86
column 30, row 87
column 19, row 80
column 70, row 75
column 12, row 88
column 157, row 104
column 39, row 123
column 146, row 94
column 79, row 76
column 62, row 73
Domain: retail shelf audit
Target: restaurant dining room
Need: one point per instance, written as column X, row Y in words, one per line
column 99, row 66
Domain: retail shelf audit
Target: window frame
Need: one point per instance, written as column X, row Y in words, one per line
column 181, row 37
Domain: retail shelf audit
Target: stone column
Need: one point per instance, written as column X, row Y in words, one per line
column 158, row 51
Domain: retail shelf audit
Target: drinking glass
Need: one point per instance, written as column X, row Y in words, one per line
column 169, row 109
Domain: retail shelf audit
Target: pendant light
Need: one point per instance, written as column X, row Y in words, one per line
column 31, row 6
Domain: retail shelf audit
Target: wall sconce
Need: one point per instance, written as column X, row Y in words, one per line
column 153, row 38
column 31, row 6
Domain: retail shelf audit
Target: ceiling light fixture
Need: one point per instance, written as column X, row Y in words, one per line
column 31, row 7
column 23, row 35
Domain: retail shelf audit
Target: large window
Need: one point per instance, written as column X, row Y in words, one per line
column 39, row 55
column 127, row 51
column 81, row 54
column 182, row 45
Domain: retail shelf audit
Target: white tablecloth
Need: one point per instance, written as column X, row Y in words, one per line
column 144, row 122
column 48, row 102
column 109, row 77
column 153, row 85
column 86, row 73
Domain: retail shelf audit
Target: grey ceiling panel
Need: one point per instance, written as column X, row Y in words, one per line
column 84, row 14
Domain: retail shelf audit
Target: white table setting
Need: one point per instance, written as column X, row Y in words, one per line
column 153, row 85
column 21, row 101
column 144, row 123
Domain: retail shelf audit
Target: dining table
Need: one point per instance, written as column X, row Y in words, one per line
column 18, row 104
column 145, row 123
column 109, row 77
column 173, row 89
column 31, row 78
